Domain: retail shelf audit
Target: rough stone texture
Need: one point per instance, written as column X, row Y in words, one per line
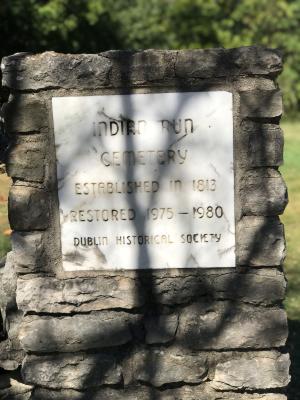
column 16, row 391
column 10, row 358
column 220, row 62
column 165, row 366
column 226, row 326
column 140, row 67
column 75, row 333
column 25, row 114
column 43, row 71
column 148, row 393
column 8, row 285
column 190, row 334
column 261, row 104
column 78, row 371
column 44, row 294
column 260, row 241
column 28, row 248
column 28, row 208
column 263, row 192
column 13, row 322
column 161, row 329
column 11, row 354
column 262, row 144
column 243, row 374
column 26, row 159
column 263, row 286
column 259, row 370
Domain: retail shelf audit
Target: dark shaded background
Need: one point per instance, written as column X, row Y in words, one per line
column 96, row 25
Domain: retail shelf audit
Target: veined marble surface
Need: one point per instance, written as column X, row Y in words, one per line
column 145, row 180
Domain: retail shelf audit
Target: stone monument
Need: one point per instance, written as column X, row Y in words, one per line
column 147, row 249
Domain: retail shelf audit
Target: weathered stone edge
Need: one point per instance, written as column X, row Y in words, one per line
column 115, row 68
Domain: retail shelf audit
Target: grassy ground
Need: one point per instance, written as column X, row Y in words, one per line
column 291, row 219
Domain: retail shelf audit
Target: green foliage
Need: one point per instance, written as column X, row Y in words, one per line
column 290, row 173
column 5, row 246
column 97, row 25
column 274, row 24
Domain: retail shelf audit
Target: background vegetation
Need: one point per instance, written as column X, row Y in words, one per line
column 98, row 25
column 291, row 218
column 4, row 225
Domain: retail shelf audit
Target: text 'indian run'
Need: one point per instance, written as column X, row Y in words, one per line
column 126, row 127
column 114, row 127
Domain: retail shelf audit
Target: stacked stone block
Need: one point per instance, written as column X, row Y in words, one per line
column 181, row 334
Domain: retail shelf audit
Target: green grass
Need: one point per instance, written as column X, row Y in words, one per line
column 4, row 246
column 291, row 216
column 291, row 219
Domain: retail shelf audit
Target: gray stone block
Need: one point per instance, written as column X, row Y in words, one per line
column 25, row 114
column 123, row 68
column 71, row 371
column 26, row 159
column 150, row 393
column 263, row 192
column 165, row 366
column 268, row 370
column 247, row 396
column 228, row 62
column 10, row 358
column 161, row 329
column 261, row 286
column 179, row 286
column 258, row 60
column 75, row 333
column 16, row 391
column 260, row 241
column 261, row 104
column 28, row 208
column 55, row 70
column 202, row 63
column 29, row 252
column 8, row 284
column 257, row 286
column 70, row 394
column 131, row 393
column 129, row 67
column 262, row 145
column 227, row 326
column 13, row 323
column 50, row 295
column 199, row 348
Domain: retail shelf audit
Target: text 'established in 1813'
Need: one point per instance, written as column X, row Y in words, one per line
column 145, row 180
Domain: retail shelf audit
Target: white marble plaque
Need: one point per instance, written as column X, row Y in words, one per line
column 145, row 180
